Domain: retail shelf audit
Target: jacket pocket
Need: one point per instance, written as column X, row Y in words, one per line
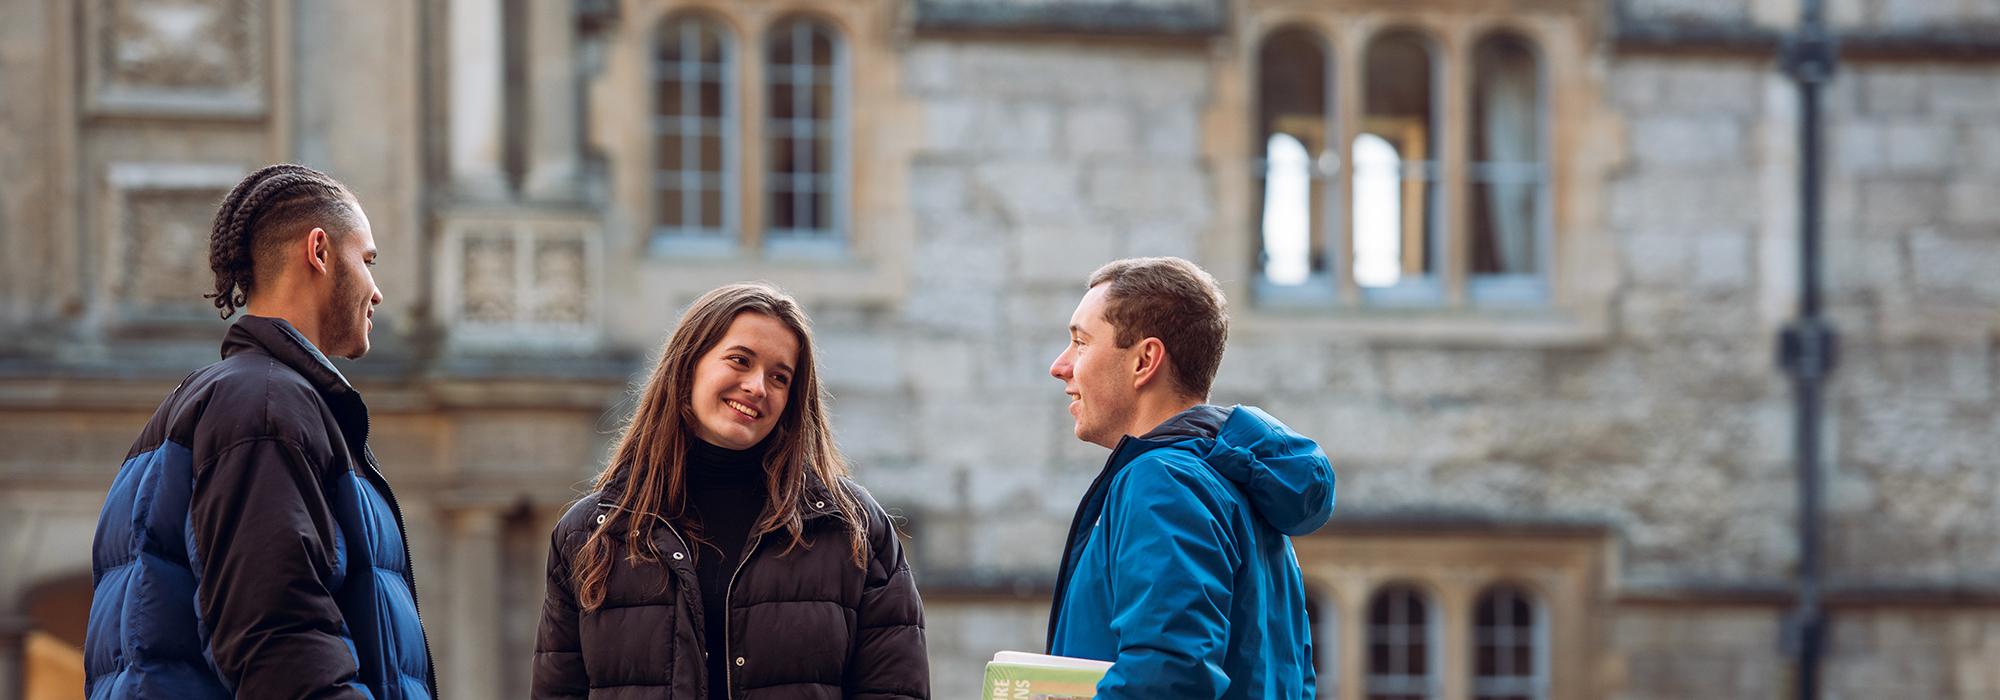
column 629, row 644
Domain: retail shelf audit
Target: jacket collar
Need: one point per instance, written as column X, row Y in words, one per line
column 816, row 500
column 1198, row 421
column 276, row 337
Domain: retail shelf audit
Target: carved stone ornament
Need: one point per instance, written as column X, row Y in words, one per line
column 515, row 281
column 489, row 284
column 153, row 249
column 176, row 57
column 165, row 259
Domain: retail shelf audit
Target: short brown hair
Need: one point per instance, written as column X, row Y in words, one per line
column 1173, row 300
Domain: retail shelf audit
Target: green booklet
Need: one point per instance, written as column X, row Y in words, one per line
column 1014, row 675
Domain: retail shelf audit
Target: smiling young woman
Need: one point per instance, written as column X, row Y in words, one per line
column 662, row 582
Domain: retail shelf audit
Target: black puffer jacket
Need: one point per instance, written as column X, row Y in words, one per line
column 808, row 624
column 250, row 546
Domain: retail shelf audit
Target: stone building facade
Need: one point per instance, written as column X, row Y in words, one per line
column 1547, row 382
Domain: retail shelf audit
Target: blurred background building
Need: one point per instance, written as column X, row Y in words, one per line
column 1516, row 264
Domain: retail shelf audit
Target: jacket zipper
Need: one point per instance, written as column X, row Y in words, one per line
column 728, row 664
column 1065, row 568
column 685, row 547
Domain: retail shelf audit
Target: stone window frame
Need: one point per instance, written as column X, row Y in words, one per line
column 1443, row 180
column 1564, row 571
column 1580, row 149
column 1501, row 288
column 877, row 228
column 1398, row 682
column 829, row 241
column 1534, row 684
column 667, row 239
column 1425, row 174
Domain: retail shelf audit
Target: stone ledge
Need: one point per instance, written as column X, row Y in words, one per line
column 1470, row 328
column 1012, row 585
column 1975, row 43
column 526, row 384
column 1459, row 523
column 1776, row 593
column 1185, row 18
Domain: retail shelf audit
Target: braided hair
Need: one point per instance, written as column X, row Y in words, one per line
column 260, row 215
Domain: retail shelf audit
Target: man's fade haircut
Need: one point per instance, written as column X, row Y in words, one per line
column 269, row 208
column 1173, row 300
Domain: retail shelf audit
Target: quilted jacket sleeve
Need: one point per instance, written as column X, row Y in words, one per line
column 267, row 550
column 888, row 660
column 558, row 671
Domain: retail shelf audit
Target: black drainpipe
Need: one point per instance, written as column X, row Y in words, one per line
column 1807, row 345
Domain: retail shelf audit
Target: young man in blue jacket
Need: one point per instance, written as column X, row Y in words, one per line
column 249, row 546
column 1179, row 569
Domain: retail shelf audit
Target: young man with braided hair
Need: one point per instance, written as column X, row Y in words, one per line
column 249, row 546
column 1179, row 568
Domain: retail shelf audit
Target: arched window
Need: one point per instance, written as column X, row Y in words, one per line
column 1288, row 208
column 1400, row 109
column 1402, row 645
column 804, row 132
column 1508, row 175
column 1378, row 212
column 1407, row 171
column 695, row 132
column 1292, row 168
column 1509, row 645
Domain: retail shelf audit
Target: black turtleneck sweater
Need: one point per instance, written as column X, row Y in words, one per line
column 726, row 495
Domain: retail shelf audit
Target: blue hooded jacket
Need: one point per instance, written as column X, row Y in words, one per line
column 1179, row 567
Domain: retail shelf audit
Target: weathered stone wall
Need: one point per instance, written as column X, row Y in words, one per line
column 1731, row 652
column 1923, row 653
column 1041, row 157
column 1675, row 428
column 1039, row 163
column 1913, row 238
column 1685, row 652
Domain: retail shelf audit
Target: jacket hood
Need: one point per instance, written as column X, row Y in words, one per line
column 1285, row 475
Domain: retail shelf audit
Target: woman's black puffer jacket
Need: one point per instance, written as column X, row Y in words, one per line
column 807, row 624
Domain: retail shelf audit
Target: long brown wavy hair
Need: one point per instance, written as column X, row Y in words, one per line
column 650, row 457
